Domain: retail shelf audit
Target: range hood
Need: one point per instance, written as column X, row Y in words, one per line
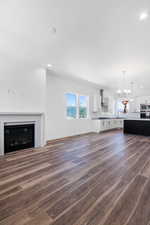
column 104, row 101
column 102, row 97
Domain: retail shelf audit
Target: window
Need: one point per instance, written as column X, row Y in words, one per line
column 83, row 106
column 120, row 107
column 71, row 105
column 77, row 106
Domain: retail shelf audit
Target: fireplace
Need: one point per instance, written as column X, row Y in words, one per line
column 15, row 120
column 17, row 137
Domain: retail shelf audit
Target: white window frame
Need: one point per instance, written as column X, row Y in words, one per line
column 120, row 102
column 78, row 106
column 71, row 118
column 87, row 107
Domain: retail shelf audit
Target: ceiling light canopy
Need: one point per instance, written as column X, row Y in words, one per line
column 52, row 30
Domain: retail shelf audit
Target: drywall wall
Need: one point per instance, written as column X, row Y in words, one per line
column 58, row 125
column 23, row 91
column 135, row 104
column 35, row 90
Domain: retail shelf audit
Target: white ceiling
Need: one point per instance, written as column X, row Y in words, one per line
column 94, row 39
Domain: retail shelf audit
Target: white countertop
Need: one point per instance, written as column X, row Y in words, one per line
column 108, row 118
column 137, row 119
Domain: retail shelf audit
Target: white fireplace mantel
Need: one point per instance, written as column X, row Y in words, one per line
column 36, row 118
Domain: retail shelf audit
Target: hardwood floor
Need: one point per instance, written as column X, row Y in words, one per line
column 95, row 179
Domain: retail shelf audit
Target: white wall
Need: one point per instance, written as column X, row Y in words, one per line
column 23, row 92
column 135, row 105
column 58, row 125
column 36, row 91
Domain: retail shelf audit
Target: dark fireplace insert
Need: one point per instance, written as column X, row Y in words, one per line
column 17, row 137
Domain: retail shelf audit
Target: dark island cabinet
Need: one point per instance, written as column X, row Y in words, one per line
column 138, row 127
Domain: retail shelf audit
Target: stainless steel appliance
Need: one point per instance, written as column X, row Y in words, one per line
column 145, row 111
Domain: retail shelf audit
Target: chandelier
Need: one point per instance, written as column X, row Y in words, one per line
column 124, row 94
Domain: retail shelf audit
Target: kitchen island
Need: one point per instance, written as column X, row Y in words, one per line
column 137, row 126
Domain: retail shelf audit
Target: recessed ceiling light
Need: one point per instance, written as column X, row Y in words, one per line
column 49, row 66
column 143, row 16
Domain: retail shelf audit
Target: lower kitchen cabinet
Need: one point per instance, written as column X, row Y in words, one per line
column 107, row 124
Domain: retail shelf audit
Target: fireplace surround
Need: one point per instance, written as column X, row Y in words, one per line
column 12, row 120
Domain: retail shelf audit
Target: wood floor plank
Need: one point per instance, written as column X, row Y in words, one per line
column 41, row 219
column 141, row 214
column 85, row 203
column 121, row 212
column 84, row 188
column 19, row 218
column 92, row 179
column 97, row 172
column 146, row 170
column 18, row 175
column 98, row 212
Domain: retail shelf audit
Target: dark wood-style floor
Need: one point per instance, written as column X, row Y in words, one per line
column 96, row 179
